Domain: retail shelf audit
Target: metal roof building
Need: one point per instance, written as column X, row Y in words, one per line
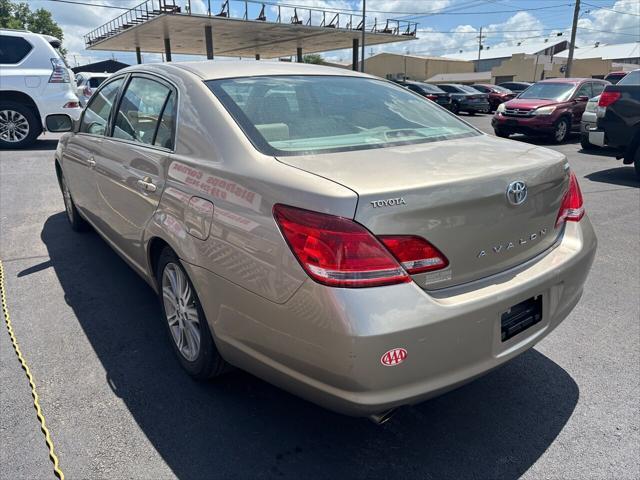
column 619, row 52
column 241, row 28
column 493, row 56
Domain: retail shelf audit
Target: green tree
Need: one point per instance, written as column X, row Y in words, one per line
column 19, row 15
column 313, row 58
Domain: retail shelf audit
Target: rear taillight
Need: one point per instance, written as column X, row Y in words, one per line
column 86, row 91
column 432, row 97
column 60, row 73
column 607, row 98
column 71, row 105
column 572, row 208
column 415, row 254
column 337, row 251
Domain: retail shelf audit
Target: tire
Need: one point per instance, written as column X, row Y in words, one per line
column 19, row 125
column 77, row 223
column 501, row 133
column 455, row 108
column 561, row 130
column 200, row 358
column 471, row 113
column 636, row 161
column 584, row 143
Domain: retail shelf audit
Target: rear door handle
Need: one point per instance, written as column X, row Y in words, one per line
column 147, row 185
column 91, row 163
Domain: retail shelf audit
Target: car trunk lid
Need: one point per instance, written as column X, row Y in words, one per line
column 454, row 194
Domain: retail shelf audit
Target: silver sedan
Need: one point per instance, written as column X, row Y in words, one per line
column 326, row 230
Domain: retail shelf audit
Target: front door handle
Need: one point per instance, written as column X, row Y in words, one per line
column 91, row 163
column 147, row 185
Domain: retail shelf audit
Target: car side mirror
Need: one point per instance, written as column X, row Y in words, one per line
column 582, row 98
column 59, row 123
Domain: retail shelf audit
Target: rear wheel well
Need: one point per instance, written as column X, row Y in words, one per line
column 22, row 98
column 156, row 246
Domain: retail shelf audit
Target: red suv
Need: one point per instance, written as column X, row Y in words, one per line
column 497, row 95
column 551, row 107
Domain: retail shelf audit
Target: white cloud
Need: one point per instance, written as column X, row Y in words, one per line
column 76, row 20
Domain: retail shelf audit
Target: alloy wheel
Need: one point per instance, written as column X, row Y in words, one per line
column 561, row 131
column 14, row 127
column 181, row 311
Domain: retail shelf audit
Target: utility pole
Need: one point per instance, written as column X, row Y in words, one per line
column 364, row 17
column 479, row 50
column 574, row 27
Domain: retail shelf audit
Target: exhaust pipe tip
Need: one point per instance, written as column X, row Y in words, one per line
column 382, row 417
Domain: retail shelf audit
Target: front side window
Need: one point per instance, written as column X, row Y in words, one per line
column 140, row 110
column 13, row 49
column 597, row 88
column 293, row 115
column 549, row 91
column 96, row 115
column 584, row 91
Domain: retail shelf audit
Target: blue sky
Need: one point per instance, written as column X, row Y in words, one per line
column 451, row 26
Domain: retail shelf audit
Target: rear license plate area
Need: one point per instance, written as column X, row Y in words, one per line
column 520, row 317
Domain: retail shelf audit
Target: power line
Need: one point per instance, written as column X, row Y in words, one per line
column 101, row 5
column 612, row 10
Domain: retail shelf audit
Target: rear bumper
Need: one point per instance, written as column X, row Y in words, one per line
column 474, row 107
column 53, row 102
column 325, row 344
column 542, row 124
column 596, row 137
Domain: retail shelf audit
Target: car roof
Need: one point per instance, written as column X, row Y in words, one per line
column 94, row 74
column 212, row 70
column 571, row 80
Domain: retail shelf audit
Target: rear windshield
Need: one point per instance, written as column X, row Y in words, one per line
column 501, row 89
column 549, row 91
column 631, row 78
column 430, row 88
column 96, row 81
column 295, row 115
column 468, row 89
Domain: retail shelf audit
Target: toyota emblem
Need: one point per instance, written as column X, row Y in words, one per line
column 517, row 192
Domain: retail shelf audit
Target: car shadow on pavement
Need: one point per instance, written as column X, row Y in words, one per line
column 40, row 144
column 622, row 175
column 238, row 426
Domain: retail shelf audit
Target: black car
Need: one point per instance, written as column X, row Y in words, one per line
column 465, row 98
column 515, row 87
column 428, row 91
column 618, row 114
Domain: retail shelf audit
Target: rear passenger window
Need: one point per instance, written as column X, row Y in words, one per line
column 13, row 49
column 140, row 110
column 96, row 115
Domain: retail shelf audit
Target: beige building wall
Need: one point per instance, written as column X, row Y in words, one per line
column 387, row 65
column 532, row 68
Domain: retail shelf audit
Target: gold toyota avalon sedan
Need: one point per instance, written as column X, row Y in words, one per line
column 328, row 231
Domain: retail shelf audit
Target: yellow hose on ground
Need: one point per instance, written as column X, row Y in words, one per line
column 25, row 367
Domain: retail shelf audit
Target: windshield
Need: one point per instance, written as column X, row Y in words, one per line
column 549, row 91
column 293, row 115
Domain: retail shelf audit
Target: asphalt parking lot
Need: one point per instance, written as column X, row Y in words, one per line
column 118, row 404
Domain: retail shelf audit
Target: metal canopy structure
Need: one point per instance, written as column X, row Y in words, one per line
column 240, row 28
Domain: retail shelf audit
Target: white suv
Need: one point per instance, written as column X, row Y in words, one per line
column 35, row 84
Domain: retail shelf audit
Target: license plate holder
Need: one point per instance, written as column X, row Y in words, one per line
column 521, row 317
